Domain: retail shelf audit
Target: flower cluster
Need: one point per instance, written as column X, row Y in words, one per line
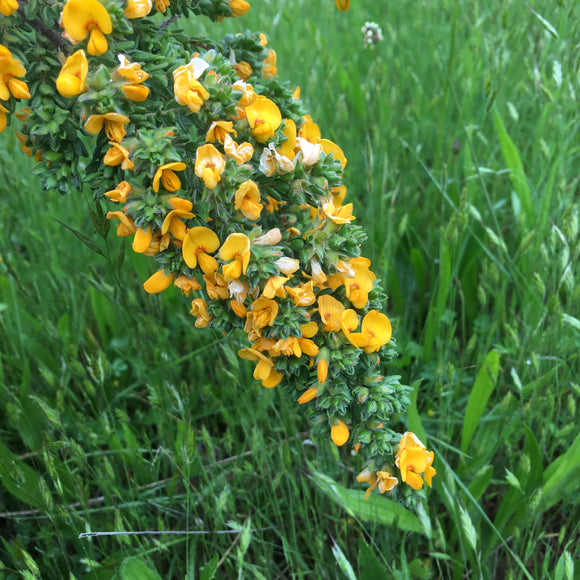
column 214, row 170
column 372, row 34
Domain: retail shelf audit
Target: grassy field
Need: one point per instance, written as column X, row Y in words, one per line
column 461, row 130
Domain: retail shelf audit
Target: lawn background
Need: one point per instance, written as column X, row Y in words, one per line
column 461, row 133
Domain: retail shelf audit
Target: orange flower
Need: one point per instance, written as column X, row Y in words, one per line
column 114, row 124
column 7, row 8
column 263, row 312
column 120, row 193
column 118, row 155
column 358, row 281
column 173, row 220
column 270, row 69
column 126, row 226
column 339, row 433
column 3, row 119
column 71, row 78
column 239, row 7
column 186, row 285
column 82, row 17
column 381, row 479
column 199, row 309
column 343, row 5
column 10, row 68
column 209, row 165
column 307, row 395
column 157, row 282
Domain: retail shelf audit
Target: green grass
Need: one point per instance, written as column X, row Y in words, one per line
column 117, row 414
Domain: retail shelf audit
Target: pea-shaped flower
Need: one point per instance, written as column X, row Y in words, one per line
column 82, row 17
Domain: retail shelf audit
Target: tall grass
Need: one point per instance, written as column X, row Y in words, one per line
column 461, row 133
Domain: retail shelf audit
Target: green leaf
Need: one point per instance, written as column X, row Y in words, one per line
column 342, row 561
column 135, row 569
column 513, row 161
column 20, row 479
column 84, row 239
column 546, row 24
column 209, row 570
column 558, row 472
column 482, row 389
column 369, row 564
column 377, row 509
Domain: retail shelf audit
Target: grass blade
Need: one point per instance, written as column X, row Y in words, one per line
column 482, row 389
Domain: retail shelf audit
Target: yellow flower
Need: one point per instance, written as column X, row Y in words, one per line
column 263, row 312
column 218, row 131
column 142, row 240
column 10, row 68
column 209, row 165
column 270, row 238
column 120, row 193
column 126, row 226
column 264, row 370
column 197, row 245
column 114, row 124
column 173, row 220
column 247, row 200
column 381, row 479
column 239, row 7
column 199, row 309
column 329, row 147
column 343, row 5
column 166, row 173
column 138, row 8
column 307, row 395
column 187, row 89
column 3, row 119
column 339, row 433
column 270, row 69
column 264, row 118
column 275, row 287
column 71, row 79
column 413, row 460
column 358, row 281
column 375, row 332
column 118, row 155
column 158, row 282
column 302, row 295
column 131, row 71
column 338, row 214
column 82, row 17
column 8, row 7
column 309, row 130
column 235, row 248
column 287, row 147
column 330, row 310
column 248, row 93
column 241, row 153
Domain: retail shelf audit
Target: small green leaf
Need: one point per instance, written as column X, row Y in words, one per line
column 209, row 570
column 135, row 569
